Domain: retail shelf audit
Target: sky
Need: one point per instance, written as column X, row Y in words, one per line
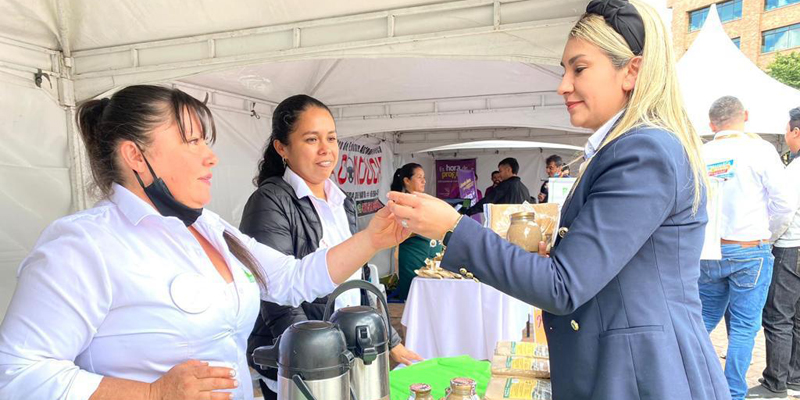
column 661, row 7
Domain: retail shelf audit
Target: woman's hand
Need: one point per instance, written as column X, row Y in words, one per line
column 401, row 355
column 194, row 380
column 543, row 250
column 423, row 214
column 385, row 230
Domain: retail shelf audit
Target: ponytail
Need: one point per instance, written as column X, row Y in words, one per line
column 398, row 180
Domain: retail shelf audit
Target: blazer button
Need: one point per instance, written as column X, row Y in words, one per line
column 563, row 232
column 463, row 271
column 574, row 325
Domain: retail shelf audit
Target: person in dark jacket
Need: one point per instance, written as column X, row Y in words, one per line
column 622, row 310
column 510, row 191
column 495, row 181
column 296, row 210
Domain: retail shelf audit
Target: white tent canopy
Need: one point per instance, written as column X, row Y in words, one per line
column 410, row 72
column 500, row 144
column 714, row 67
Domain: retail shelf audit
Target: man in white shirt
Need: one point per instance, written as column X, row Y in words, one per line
column 781, row 318
column 755, row 202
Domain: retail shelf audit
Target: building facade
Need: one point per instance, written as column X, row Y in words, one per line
column 761, row 28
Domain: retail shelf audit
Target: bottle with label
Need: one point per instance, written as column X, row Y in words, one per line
column 420, row 391
column 461, row 389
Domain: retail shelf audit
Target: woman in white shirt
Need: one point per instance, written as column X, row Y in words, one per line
column 147, row 295
column 297, row 209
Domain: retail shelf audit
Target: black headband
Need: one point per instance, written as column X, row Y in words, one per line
column 623, row 17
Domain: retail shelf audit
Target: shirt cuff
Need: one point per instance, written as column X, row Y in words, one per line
column 85, row 384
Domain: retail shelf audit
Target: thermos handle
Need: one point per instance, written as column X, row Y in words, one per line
column 357, row 284
column 304, row 389
column 365, row 346
column 267, row 356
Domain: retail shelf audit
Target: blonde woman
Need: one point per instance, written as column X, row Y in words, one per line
column 619, row 288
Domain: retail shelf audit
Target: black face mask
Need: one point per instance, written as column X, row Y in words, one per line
column 165, row 203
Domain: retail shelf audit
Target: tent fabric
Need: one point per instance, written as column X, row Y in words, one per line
column 501, row 144
column 34, row 175
column 442, row 76
column 714, row 67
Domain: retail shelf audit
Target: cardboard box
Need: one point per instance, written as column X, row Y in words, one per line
column 508, row 388
column 524, row 349
column 527, row 367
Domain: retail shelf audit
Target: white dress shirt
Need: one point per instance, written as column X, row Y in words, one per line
column 756, row 198
column 597, row 138
column 121, row 291
column 791, row 237
column 335, row 226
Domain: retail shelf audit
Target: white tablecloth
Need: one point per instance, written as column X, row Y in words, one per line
column 449, row 317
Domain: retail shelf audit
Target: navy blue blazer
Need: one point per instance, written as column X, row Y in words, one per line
column 622, row 309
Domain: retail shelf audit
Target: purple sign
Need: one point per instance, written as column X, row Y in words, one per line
column 466, row 185
column 447, row 177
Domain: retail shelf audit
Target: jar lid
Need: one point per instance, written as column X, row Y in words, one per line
column 421, row 388
column 455, row 382
column 523, row 216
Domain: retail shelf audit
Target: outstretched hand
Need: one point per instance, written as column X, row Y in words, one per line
column 423, row 214
column 385, row 230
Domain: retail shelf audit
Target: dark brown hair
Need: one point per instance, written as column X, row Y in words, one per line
column 400, row 174
column 131, row 114
column 284, row 120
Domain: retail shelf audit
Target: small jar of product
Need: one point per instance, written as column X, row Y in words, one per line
column 420, row 391
column 524, row 231
column 461, row 389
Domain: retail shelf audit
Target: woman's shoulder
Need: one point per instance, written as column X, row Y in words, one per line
column 270, row 193
column 275, row 187
column 646, row 140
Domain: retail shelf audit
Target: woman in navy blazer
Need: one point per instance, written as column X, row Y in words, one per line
column 619, row 289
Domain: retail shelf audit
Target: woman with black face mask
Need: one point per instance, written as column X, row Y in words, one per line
column 147, row 295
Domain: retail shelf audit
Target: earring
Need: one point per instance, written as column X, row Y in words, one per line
column 285, row 164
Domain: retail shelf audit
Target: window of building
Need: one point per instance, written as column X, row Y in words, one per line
column 773, row 4
column 728, row 11
column 737, row 41
column 780, row 38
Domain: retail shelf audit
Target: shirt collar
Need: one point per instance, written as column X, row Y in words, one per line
column 596, row 140
column 730, row 133
column 131, row 206
column 135, row 209
column 301, row 189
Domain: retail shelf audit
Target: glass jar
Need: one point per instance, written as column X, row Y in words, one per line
column 461, row 389
column 524, row 231
column 420, row 391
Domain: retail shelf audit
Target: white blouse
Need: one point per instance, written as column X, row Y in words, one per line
column 120, row 290
column 335, row 226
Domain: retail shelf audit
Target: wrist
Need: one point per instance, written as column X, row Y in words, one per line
column 371, row 241
column 453, row 224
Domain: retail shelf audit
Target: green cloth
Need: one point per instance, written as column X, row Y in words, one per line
column 438, row 372
column 412, row 254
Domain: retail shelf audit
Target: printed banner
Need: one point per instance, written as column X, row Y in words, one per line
column 447, row 177
column 466, row 185
column 358, row 173
column 723, row 170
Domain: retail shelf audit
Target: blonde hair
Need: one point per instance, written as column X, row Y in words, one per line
column 656, row 99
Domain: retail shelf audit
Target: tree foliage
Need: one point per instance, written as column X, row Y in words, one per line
column 786, row 68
